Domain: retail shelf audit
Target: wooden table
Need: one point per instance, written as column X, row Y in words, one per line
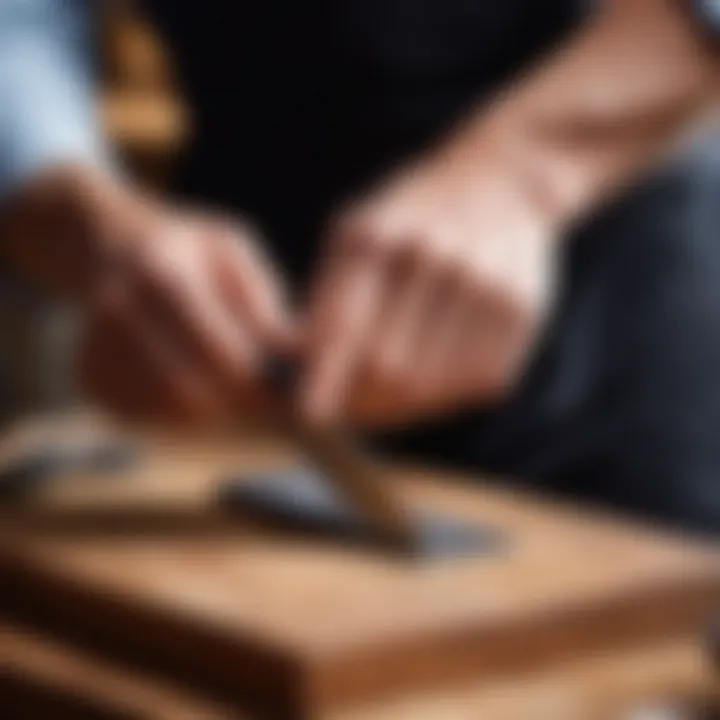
column 585, row 615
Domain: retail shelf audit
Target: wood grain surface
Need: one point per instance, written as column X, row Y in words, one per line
column 148, row 567
column 42, row 678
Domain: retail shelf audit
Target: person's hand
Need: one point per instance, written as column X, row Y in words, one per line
column 180, row 334
column 430, row 297
column 177, row 308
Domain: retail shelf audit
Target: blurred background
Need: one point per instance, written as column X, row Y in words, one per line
column 142, row 114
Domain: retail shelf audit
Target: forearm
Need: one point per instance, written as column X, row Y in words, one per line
column 603, row 107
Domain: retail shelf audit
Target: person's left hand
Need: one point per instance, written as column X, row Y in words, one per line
column 430, row 296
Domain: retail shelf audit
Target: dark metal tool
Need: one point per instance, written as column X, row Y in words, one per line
column 303, row 500
column 347, row 496
column 350, row 471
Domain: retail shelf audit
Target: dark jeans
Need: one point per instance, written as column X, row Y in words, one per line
column 622, row 403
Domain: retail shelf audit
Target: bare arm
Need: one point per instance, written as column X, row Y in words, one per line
column 436, row 286
column 600, row 109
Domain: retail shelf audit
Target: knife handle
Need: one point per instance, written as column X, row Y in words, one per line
column 345, row 467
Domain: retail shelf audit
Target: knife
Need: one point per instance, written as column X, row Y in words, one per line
column 350, row 471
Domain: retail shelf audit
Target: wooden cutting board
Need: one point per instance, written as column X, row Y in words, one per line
column 149, row 568
column 42, row 678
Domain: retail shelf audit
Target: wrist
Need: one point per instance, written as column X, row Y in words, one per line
column 59, row 231
column 563, row 175
column 602, row 109
column 500, row 157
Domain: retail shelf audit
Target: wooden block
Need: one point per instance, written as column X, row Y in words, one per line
column 300, row 628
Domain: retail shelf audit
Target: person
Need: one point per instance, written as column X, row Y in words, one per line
column 442, row 210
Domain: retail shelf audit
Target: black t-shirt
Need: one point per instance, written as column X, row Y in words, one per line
column 298, row 103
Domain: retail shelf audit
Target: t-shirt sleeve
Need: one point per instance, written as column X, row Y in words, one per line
column 47, row 104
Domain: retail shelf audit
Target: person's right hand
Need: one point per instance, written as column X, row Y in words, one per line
column 178, row 309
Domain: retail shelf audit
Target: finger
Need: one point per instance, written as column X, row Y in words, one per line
column 180, row 298
column 131, row 366
column 436, row 372
column 236, row 375
column 250, row 285
column 391, row 391
column 385, row 393
column 343, row 311
column 412, row 348
column 485, row 362
column 375, row 407
column 412, row 293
